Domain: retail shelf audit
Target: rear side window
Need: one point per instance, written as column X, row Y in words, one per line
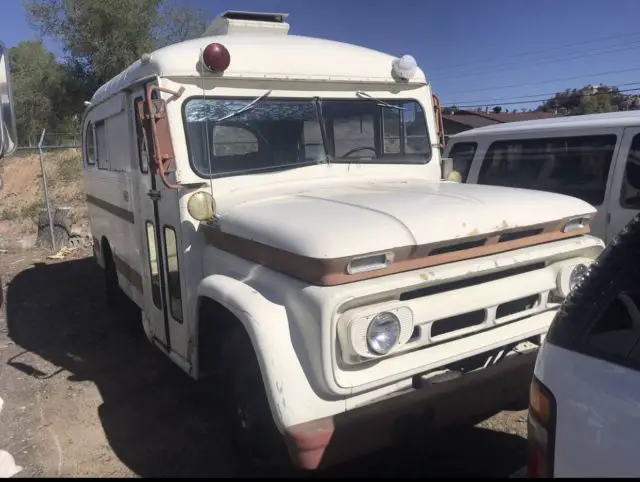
column 630, row 194
column 462, row 154
column 90, row 144
column 575, row 166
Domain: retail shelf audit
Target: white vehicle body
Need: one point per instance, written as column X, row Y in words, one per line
column 8, row 133
column 583, row 417
column 600, row 153
column 304, row 258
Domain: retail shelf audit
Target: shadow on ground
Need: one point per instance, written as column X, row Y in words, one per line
column 156, row 419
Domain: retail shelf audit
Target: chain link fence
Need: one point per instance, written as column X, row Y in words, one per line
column 42, row 201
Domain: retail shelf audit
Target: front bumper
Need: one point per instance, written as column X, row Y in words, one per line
column 325, row 442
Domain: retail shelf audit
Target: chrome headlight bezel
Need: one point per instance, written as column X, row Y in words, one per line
column 569, row 276
column 354, row 329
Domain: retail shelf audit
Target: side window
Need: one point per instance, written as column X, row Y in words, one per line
column 90, row 144
column 143, row 153
column 416, row 134
column 154, row 270
column 617, row 329
column 462, row 154
column 630, row 193
column 575, row 166
column 173, row 273
column 102, row 148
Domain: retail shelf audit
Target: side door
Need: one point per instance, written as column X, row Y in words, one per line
column 624, row 197
column 159, row 235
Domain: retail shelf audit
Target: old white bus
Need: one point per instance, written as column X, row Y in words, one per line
column 273, row 205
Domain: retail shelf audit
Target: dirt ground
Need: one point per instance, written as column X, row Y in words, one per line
column 83, row 399
column 22, row 197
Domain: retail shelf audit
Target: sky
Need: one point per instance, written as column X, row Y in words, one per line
column 474, row 52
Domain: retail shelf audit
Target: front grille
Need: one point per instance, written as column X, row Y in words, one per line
column 458, row 322
column 465, row 283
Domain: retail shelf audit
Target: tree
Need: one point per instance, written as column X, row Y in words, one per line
column 103, row 37
column 588, row 100
column 38, row 88
column 177, row 24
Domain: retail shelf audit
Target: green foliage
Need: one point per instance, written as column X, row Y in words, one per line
column 100, row 39
column 38, row 87
column 589, row 100
column 102, row 36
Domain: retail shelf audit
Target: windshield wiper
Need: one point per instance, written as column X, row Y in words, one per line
column 364, row 95
column 323, row 130
column 247, row 107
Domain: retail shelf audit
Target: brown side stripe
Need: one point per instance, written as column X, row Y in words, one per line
column 111, row 208
column 329, row 272
column 128, row 272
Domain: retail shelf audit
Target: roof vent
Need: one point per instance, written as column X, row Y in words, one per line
column 233, row 22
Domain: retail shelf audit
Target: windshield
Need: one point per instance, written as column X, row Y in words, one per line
column 278, row 134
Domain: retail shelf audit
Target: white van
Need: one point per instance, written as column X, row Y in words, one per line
column 593, row 157
column 273, row 206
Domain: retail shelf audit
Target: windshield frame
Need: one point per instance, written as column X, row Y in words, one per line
column 317, row 100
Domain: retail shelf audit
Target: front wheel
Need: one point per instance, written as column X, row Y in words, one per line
column 258, row 443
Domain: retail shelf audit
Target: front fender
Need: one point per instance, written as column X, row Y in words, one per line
column 291, row 397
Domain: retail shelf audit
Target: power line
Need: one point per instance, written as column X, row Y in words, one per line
column 533, row 52
column 543, row 99
column 497, row 100
column 496, row 87
column 551, row 60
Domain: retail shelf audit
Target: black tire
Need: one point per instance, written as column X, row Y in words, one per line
column 615, row 269
column 125, row 313
column 259, row 446
column 113, row 293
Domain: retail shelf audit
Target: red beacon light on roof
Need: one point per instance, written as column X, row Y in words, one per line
column 216, row 58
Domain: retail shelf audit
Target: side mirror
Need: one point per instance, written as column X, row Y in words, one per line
column 448, row 172
column 8, row 133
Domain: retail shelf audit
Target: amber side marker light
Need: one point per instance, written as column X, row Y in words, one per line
column 540, row 431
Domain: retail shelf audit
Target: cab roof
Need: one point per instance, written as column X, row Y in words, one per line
column 264, row 56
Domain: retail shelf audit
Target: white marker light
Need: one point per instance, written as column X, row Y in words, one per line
column 405, row 67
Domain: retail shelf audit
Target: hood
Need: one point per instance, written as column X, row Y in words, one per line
column 329, row 221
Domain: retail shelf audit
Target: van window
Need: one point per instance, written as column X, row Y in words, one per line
column 143, row 154
column 462, row 154
column 90, row 145
column 575, row 166
column 101, row 145
column 173, row 273
column 630, row 194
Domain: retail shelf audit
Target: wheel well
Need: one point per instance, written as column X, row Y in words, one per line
column 215, row 324
column 107, row 256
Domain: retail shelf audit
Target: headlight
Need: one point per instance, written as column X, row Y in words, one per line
column 383, row 333
column 568, row 277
